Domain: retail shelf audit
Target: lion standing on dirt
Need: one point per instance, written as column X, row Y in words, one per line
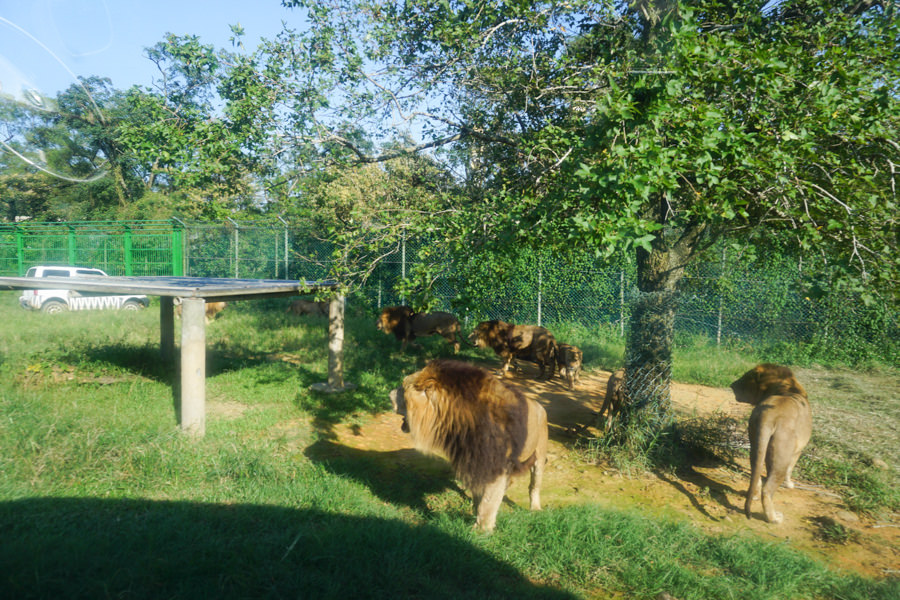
column 569, row 359
column 487, row 430
column 526, row 342
column 407, row 324
column 780, row 427
column 615, row 398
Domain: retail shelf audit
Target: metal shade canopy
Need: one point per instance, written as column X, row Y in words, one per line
column 195, row 292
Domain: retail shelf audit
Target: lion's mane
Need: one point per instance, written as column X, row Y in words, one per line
column 479, row 423
column 396, row 320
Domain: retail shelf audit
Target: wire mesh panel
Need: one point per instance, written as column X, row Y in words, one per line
column 119, row 248
column 48, row 248
column 728, row 297
column 209, row 251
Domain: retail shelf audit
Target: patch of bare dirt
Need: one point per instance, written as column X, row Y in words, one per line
column 711, row 497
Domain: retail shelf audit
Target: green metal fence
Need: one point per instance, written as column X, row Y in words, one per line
column 117, row 247
column 725, row 299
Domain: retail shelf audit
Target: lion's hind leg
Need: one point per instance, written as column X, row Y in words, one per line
column 788, row 481
column 798, row 449
column 778, row 468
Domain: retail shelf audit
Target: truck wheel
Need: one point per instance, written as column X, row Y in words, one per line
column 132, row 305
column 52, row 307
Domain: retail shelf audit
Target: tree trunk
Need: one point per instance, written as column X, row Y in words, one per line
column 648, row 355
column 121, row 186
column 648, row 359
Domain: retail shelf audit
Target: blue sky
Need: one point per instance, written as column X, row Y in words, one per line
column 43, row 43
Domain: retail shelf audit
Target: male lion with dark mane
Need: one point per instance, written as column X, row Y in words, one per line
column 487, row 430
column 780, row 426
column 527, row 342
column 407, row 324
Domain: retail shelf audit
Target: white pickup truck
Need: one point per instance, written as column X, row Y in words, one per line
column 54, row 301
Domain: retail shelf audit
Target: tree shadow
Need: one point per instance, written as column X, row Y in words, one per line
column 570, row 413
column 714, row 490
column 92, row 548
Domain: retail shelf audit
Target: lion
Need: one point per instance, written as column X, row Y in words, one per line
column 308, row 307
column 569, row 359
column 780, row 427
column 407, row 325
column 212, row 309
column 615, row 398
column 487, row 430
column 527, row 342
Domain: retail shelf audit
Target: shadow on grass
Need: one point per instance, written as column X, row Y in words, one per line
column 90, row 548
column 714, row 490
column 404, row 477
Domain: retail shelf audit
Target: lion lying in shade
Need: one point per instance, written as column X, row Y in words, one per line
column 303, row 307
column 212, row 309
column 487, row 430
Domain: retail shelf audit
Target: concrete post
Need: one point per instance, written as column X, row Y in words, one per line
column 336, row 343
column 335, row 349
column 193, row 366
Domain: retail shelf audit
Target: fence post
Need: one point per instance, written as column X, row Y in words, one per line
column 72, row 260
column 721, row 301
column 129, row 268
column 403, row 261
column 286, row 273
column 177, row 247
column 622, row 303
column 403, row 255
column 20, row 251
column 275, row 258
column 237, row 256
column 540, row 284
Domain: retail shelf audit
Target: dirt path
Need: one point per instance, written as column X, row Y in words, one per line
column 712, row 498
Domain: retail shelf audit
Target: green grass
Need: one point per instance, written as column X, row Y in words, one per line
column 102, row 496
column 854, row 449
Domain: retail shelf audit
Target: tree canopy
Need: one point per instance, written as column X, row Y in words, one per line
column 650, row 127
column 646, row 127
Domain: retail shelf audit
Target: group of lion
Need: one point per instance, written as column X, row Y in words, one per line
column 510, row 342
column 490, row 432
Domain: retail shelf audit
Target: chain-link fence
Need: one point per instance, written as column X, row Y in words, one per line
column 727, row 298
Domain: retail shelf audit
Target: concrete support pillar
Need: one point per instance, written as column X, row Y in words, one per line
column 336, row 381
column 336, row 343
column 193, row 366
column 167, row 329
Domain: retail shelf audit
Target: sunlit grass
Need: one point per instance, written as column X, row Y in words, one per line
column 101, row 494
